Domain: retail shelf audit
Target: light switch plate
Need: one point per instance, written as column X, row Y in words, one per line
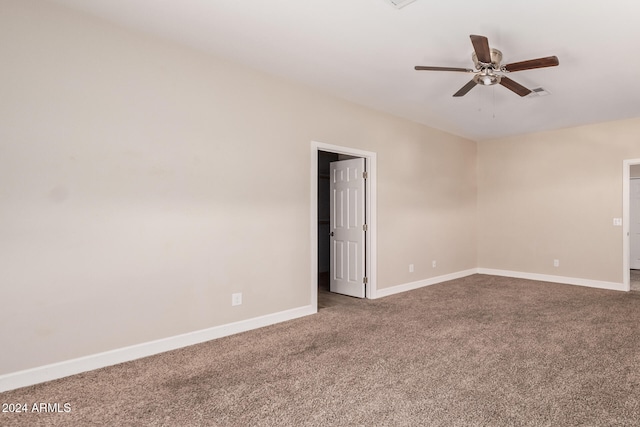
column 617, row 222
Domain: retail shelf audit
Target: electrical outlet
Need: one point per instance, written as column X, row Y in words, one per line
column 556, row 263
column 410, row 268
column 236, row 299
column 434, row 264
column 617, row 222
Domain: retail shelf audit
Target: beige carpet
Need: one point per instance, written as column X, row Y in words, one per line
column 635, row 280
column 478, row 351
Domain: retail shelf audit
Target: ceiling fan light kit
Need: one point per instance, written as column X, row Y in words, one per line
column 489, row 71
column 487, row 79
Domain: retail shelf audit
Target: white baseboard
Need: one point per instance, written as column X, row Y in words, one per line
column 554, row 279
column 83, row 364
column 95, row 361
column 380, row 293
column 421, row 283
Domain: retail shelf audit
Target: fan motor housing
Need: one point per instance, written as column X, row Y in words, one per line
column 496, row 58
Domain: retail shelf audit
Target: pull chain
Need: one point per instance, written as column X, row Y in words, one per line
column 493, row 89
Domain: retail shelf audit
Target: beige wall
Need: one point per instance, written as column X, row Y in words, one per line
column 143, row 183
column 554, row 195
column 635, row 171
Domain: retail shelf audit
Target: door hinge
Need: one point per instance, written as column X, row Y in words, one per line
column 365, row 280
column 364, row 227
column 365, row 175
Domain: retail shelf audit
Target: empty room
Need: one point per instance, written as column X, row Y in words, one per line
column 319, row 212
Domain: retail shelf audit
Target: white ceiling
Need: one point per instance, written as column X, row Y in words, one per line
column 365, row 51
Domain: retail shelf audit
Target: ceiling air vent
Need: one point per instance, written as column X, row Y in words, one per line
column 398, row 4
column 539, row 91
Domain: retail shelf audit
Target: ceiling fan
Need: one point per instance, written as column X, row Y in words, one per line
column 488, row 70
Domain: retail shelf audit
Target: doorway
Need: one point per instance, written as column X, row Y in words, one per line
column 325, row 265
column 630, row 221
column 321, row 155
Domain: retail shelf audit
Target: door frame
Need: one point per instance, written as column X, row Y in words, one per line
column 626, row 217
column 371, row 215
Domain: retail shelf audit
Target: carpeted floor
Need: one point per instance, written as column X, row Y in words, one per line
column 478, row 351
column 635, row 280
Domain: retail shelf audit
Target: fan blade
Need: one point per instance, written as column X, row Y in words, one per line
column 514, row 87
column 481, row 46
column 549, row 61
column 421, row 67
column 466, row 88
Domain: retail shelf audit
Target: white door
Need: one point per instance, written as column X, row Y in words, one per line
column 634, row 223
column 347, row 226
